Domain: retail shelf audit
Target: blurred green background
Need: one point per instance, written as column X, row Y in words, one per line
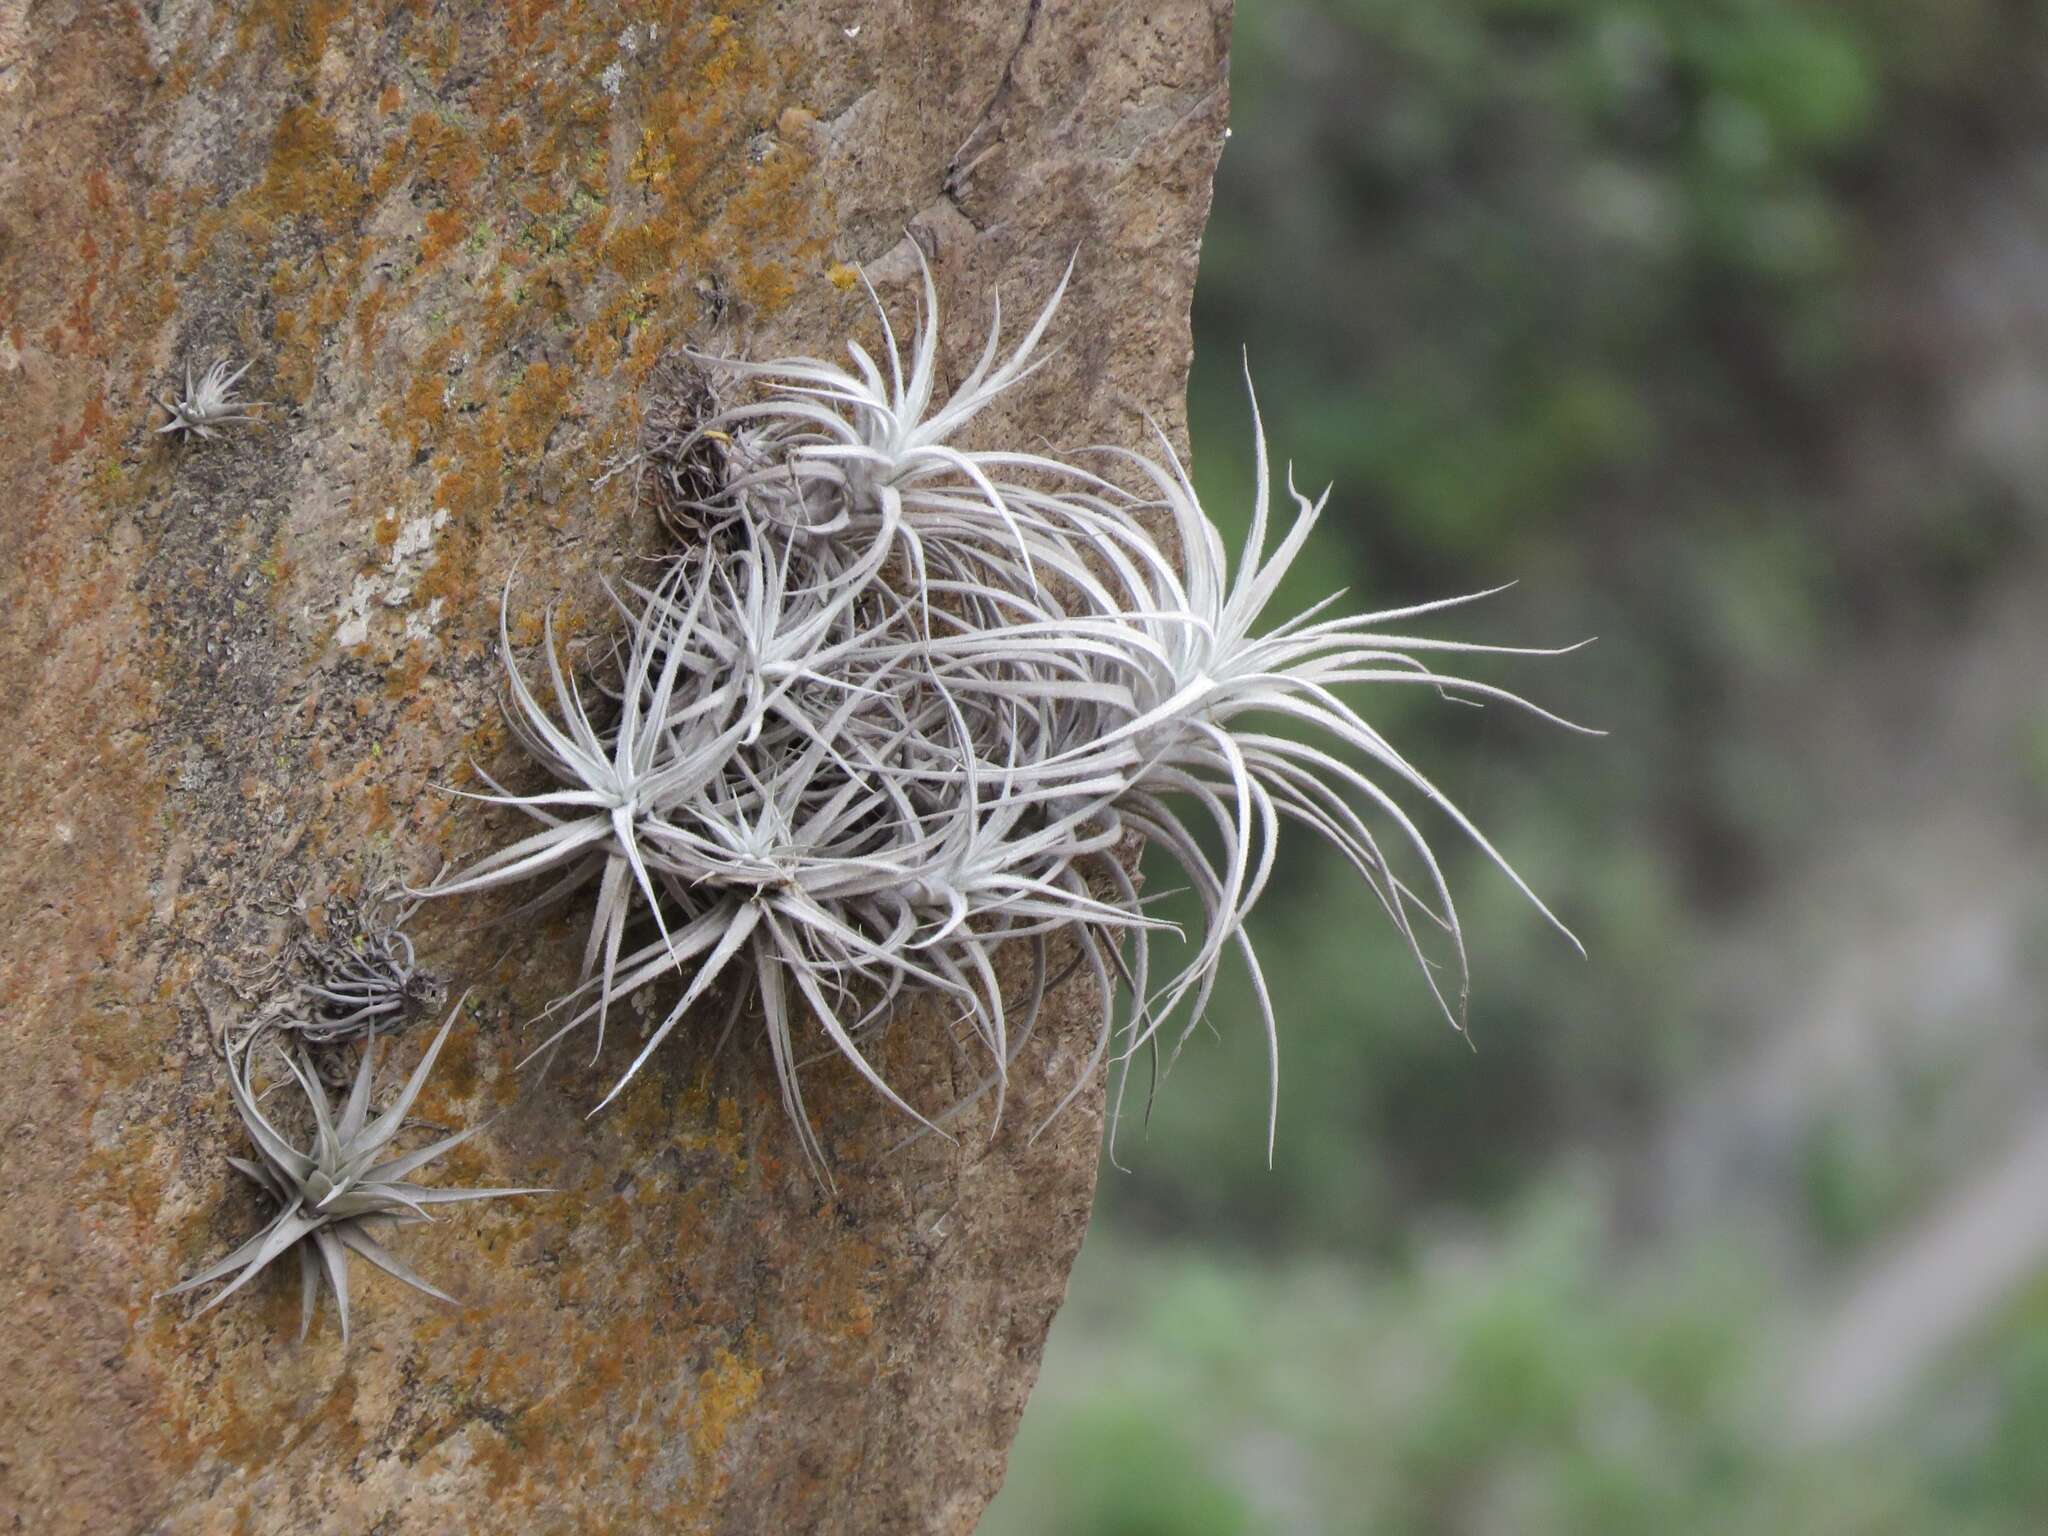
column 1722, row 327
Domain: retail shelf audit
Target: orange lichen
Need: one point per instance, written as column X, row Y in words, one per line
column 93, row 420
column 522, row 19
column 534, row 408
column 423, row 408
column 443, row 154
column 401, row 682
column 433, row 42
column 369, row 317
column 129, row 1181
column 378, row 807
column 79, row 317
column 835, row 1304
column 445, row 229
column 639, row 252
column 300, row 27
column 307, row 174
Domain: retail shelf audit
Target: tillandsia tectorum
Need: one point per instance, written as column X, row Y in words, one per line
column 336, row 1195
column 903, row 701
column 210, row 404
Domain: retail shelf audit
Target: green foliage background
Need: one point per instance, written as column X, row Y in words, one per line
column 1629, row 303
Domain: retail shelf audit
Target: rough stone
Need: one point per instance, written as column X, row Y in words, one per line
column 455, row 239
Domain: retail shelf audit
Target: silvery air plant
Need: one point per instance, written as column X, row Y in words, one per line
column 211, row 404
column 903, row 702
column 335, row 1196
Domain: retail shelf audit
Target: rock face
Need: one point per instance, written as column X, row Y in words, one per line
column 455, row 240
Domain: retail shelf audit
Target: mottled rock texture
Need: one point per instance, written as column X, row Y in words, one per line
column 455, row 238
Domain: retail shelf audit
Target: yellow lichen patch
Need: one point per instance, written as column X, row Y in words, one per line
column 767, row 287
column 724, row 1393
column 527, row 629
column 768, row 207
column 652, row 163
column 724, row 62
column 466, row 1167
column 698, row 1123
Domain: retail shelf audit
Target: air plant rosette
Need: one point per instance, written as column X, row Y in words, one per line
column 336, row 1196
column 902, row 702
column 209, row 405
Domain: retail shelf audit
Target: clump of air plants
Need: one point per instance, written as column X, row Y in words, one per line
column 337, row 1194
column 900, row 702
column 208, row 406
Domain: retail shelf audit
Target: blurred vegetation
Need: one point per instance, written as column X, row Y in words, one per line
column 1515, row 1388
column 1622, row 301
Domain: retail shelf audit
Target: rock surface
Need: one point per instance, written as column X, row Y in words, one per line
column 455, row 240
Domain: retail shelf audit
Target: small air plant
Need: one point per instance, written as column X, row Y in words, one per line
column 902, row 702
column 209, row 405
column 677, row 467
column 335, row 1196
column 363, row 977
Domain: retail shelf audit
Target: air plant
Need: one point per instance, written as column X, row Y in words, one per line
column 610, row 784
column 209, row 405
column 364, row 975
column 865, row 461
column 1213, row 672
column 677, row 467
column 905, row 701
column 337, row 1194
